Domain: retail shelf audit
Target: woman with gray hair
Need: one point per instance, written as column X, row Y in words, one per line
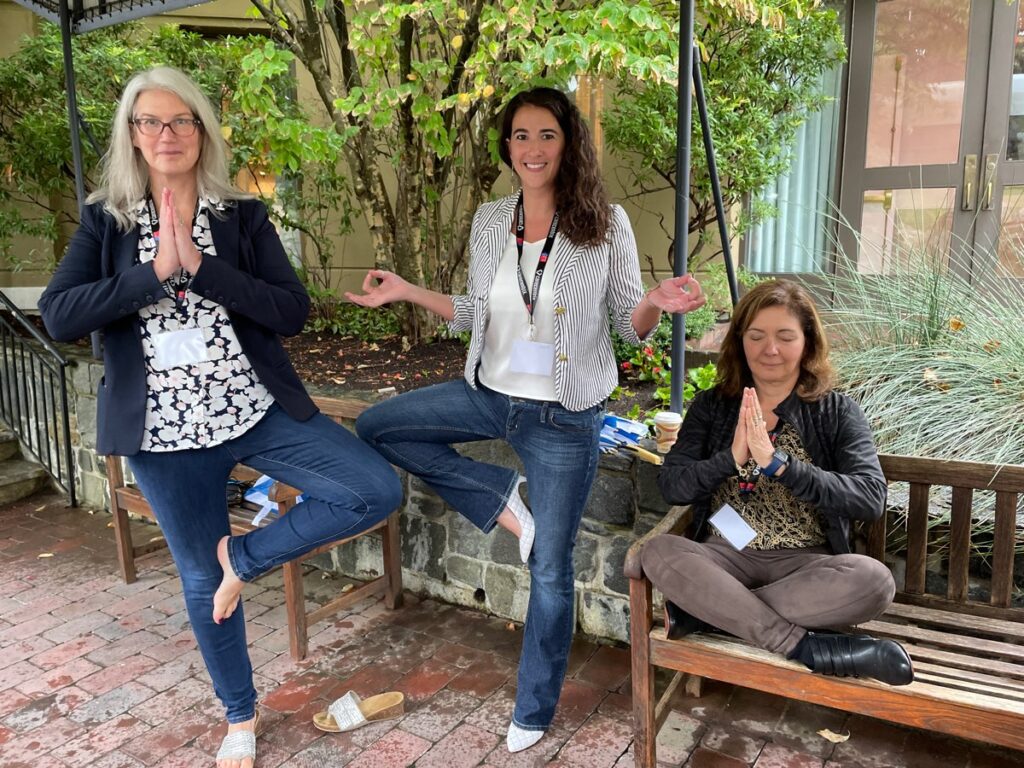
column 188, row 280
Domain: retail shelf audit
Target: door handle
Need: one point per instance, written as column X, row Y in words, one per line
column 969, row 197
column 988, row 185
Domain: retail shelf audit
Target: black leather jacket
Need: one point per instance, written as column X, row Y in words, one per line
column 844, row 482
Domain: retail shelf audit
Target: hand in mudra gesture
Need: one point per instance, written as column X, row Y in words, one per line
column 677, row 294
column 388, row 288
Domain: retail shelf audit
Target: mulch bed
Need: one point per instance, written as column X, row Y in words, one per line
column 334, row 364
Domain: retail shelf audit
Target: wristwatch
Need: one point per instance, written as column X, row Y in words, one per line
column 779, row 459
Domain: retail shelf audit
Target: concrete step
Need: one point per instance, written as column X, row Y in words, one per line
column 8, row 445
column 19, row 478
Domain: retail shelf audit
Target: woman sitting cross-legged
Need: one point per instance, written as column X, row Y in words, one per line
column 773, row 442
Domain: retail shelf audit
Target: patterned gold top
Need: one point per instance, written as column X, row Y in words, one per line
column 780, row 519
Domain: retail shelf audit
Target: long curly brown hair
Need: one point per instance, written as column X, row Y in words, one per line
column 816, row 374
column 584, row 211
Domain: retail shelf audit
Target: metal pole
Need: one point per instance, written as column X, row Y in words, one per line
column 73, row 123
column 682, row 223
column 716, row 187
column 72, row 98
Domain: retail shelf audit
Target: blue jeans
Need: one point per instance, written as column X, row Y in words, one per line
column 346, row 487
column 559, row 449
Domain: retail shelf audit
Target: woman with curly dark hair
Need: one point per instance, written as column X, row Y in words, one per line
column 774, row 447
column 547, row 267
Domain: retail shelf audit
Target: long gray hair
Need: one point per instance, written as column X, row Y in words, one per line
column 125, row 176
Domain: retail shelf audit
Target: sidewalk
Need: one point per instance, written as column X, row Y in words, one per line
column 94, row 672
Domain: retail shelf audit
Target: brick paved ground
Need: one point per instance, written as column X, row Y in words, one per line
column 94, row 672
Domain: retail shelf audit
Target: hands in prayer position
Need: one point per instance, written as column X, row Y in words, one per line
column 176, row 249
column 751, row 436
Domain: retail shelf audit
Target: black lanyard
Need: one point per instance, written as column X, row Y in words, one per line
column 530, row 299
column 176, row 286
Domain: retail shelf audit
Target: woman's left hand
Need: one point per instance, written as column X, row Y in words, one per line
column 189, row 257
column 677, row 294
column 760, row 445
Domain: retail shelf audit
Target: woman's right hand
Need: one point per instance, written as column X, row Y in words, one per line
column 388, row 288
column 166, row 262
column 740, row 449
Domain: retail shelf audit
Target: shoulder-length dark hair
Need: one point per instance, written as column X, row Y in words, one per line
column 584, row 211
column 816, row 374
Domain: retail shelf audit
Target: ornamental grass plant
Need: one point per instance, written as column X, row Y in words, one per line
column 936, row 359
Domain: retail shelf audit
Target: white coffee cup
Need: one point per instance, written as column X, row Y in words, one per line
column 666, row 427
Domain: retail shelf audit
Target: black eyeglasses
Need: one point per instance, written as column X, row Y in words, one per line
column 180, row 126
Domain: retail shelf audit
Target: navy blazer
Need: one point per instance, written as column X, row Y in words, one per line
column 98, row 285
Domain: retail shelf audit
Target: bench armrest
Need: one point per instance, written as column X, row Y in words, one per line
column 675, row 521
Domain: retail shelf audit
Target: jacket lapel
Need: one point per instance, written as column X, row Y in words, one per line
column 224, row 232
column 125, row 247
column 492, row 245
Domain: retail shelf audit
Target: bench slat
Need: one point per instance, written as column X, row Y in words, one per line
column 1005, row 536
column 945, row 639
column 917, row 538
column 955, row 676
column 959, row 542
column 953, row 620
column 965, row 661
column 969, row 474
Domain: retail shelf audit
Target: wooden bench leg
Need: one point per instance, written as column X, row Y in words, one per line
column 295, row 600
column 392, row 562
column 640, row 623
column 125, row 548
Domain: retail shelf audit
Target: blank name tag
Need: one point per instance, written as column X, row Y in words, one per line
column 532, row 357
column 174, row 349
column 732, row 527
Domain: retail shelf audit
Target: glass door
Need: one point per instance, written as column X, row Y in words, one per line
column 999, row 231
column 934, row 156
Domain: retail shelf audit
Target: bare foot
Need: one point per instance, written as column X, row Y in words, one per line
column 225, row 600
column 248, row 725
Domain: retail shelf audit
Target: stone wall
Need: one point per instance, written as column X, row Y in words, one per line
column 443, row 554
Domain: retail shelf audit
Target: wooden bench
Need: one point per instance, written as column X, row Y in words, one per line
column 968, row 655
column 125, row 499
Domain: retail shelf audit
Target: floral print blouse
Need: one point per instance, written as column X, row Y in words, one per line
column 202, row 404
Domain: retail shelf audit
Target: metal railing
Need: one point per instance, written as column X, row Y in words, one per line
column 34, row 395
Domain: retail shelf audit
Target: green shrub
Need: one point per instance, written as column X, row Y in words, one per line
column 341, row 318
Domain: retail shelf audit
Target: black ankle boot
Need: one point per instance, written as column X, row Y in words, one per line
column 678, row 623
column 856, row 656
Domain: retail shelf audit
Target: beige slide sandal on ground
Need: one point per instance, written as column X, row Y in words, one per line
column 350, row 712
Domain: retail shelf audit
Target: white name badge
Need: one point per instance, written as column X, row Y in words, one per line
column 732, row 527
column 532, row 357
column 174, row 349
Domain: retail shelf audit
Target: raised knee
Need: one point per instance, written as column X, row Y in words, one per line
column 388, row 496
column 365, row 426
column 873, row 579
column 655, row 553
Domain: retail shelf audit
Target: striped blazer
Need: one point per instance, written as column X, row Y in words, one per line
column 591, row 284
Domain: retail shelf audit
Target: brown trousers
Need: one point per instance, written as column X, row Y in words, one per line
column 767, row 597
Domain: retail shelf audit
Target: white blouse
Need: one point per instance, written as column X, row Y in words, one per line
column 508, row 321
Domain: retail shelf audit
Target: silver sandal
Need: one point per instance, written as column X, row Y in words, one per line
column 239, row 745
